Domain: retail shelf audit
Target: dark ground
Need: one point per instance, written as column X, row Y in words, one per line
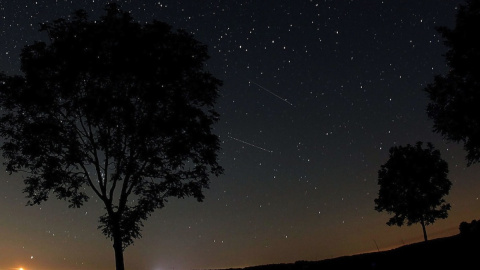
column 460, row 251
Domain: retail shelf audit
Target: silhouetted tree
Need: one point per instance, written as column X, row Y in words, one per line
column 470, row 229
column 455, row 97
column 114, row 109
column 413, row 183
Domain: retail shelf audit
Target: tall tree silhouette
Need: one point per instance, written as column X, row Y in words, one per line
column 114, row 109
column 413, row 183
column 455, row 97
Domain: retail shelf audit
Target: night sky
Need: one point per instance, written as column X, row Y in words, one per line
column 315, row 93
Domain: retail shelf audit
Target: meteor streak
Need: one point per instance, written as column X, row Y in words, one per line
column 275, row 95
column 252, row 145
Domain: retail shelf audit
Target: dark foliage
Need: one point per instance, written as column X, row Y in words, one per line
column 115, row 106
column 455, row 96
column 413, row 183
column 470, row 229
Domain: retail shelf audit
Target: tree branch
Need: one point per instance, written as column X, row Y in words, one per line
column 116, row 176
column 106, row 163
column 128, row 174
column 136, row 179
column 90, row 182
column 96, row 162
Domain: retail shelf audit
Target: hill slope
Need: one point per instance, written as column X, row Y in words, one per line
column 454, row 252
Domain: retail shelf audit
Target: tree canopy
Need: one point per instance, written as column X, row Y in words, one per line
column 455, row 97
column 413, row 183
column 114, row 109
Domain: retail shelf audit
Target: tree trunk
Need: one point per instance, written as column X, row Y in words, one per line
column 424, row 231
column 117, row 246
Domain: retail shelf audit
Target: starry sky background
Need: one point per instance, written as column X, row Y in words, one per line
column 315, row 93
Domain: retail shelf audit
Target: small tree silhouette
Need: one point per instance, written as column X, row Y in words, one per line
column 455, row 97
column 413, row 183
column 470, row 229
column 112, row 109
